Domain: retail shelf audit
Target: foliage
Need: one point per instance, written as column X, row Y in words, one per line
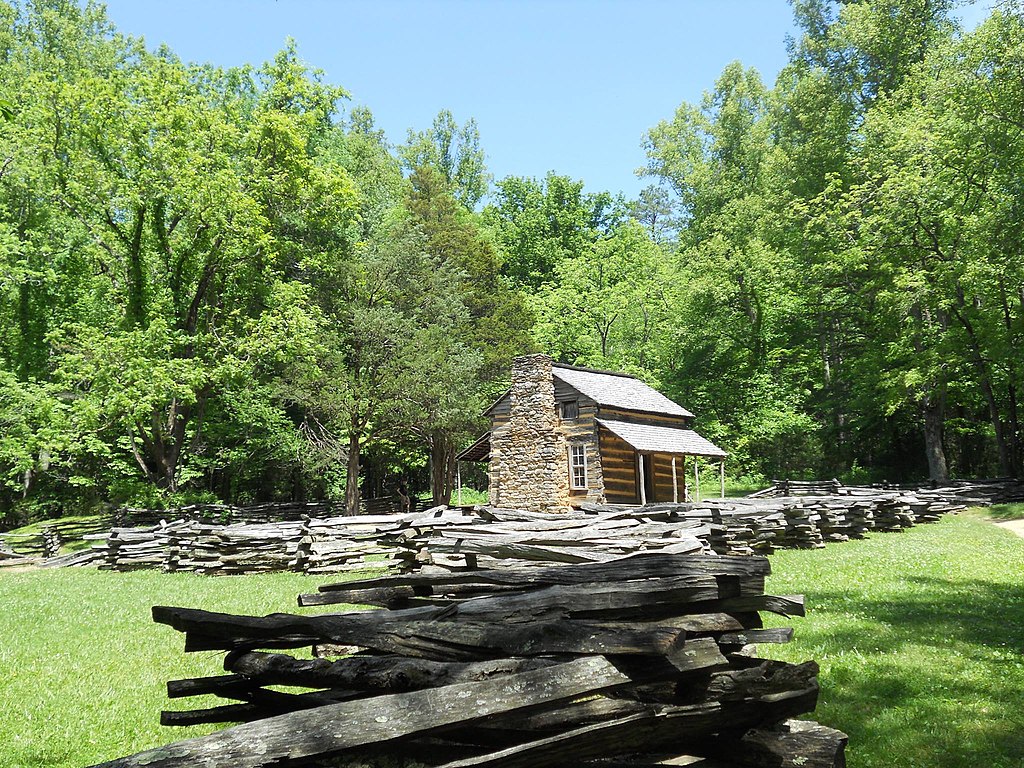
column 537, row 224
column 452, row 151
column 609, row 305
column 840, row 238
column 222, row 284
column 212, row 285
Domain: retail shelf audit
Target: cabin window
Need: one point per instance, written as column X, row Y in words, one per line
column 570, row 409
column 578, row 466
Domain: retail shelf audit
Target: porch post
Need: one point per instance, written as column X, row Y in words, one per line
column 643, row 490
column 696, row 478
column 675, row 482
column 686, row 487
column 723, row 478
column 458, row 481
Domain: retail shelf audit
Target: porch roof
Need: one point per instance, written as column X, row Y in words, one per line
column 648, row 438
column 480, row 450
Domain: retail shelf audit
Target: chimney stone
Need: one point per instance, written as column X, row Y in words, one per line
column 529, row 454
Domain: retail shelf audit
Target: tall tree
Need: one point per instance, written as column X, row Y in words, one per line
column 537, row 224
column 453, row 151
column 496, row 327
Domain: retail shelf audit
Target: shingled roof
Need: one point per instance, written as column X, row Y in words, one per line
column 647, row 438
column 617, row 390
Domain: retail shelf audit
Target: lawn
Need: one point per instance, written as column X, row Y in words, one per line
column 83, row 668
column 919, row 636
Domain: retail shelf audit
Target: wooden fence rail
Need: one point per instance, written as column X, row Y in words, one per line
column 482, row 536
column 536, row 666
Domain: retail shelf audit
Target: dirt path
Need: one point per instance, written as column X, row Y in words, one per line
column 1017, row 526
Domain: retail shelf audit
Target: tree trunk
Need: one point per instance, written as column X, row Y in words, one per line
column 932, row 410
column 442, row 468
column 1014, row 430
column 136, row 280
column 352, row 474
column 997, row 425
column 163, row 441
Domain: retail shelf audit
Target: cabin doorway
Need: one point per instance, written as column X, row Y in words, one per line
column 646, row 479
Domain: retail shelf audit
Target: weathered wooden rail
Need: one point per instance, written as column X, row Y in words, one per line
column 268, row 512
column 489, row 537
column 530, row 666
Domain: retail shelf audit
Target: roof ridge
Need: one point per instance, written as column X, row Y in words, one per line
column 597, row 370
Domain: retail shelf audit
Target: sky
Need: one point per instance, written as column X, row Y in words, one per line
column 570, row 86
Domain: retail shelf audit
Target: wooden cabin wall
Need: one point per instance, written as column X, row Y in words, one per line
column 662, row 466
column 501, row 411
column 656, row 419
column 618, row 465
column 584, row 430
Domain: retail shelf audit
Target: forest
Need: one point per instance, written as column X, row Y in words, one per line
column 226, row 284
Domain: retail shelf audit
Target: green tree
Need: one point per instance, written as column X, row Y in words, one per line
column 538, row 224
column 454, row 152
column 610, row 306
column 496, row 327
column 165, row 200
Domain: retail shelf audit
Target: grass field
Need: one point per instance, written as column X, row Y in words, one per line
column 919, row 636
column 83, row 668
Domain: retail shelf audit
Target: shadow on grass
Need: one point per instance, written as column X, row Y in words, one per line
column 28, row 540
column 934, row 611
column 933, row 678
column 1004, row 512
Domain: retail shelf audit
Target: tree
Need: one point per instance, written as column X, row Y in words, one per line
column 538, row 224
column 610, row 306
column 496, row 327
column 452, row 151
column 174, row 197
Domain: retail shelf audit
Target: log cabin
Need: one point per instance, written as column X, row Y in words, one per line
column 563, row 436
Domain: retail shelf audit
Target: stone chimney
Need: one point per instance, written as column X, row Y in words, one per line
column 529, row 461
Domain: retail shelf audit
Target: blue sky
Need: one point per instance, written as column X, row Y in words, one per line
column 562, row 85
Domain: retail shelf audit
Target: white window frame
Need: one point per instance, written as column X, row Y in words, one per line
column 574, row 466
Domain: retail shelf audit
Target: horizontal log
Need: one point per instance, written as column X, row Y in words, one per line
column 227, row 686
column 430, row 639
column 665, row 728
column 258, row 705
column 784, row 605
column 789, row 744
column 635, row 567
column 390, row 673
column 316, row 732
column 754, row 636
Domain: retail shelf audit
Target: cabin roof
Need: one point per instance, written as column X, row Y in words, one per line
column 647, row 438
column 480, row 450
column 617, row 390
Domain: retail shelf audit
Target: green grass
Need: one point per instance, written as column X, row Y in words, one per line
column 83, row 668
column 71, row 530
column 1003, row 512
column 920, row 638
column 470, row 496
